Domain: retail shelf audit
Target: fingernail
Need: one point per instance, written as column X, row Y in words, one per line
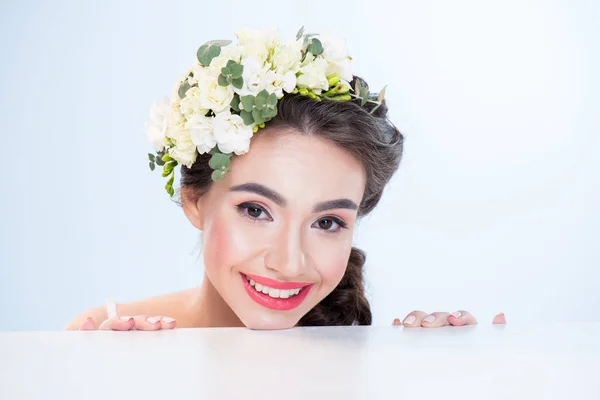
column 125, row 318
column 396, row 322
column 152, row 320
column 167, row 320
column 410, row 320
column 430, row 318
column 457, row 314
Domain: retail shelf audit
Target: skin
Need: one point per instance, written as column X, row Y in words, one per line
column 260, row 221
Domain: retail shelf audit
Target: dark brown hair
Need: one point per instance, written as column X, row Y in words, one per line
column 373, row 140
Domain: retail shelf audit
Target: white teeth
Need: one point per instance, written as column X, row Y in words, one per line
column 275, row 293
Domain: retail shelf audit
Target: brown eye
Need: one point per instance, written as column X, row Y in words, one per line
column 254, row 211
column 326, row 224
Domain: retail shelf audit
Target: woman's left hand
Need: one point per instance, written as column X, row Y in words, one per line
column 417, row 319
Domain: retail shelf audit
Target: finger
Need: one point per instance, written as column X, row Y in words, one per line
column 461, row 317
column 396, row 322
column 413, row 319
column 168, row 322
column 435, row 320
column 145, row 323
column 88, row 325
column 499, row 319
column 117, row 324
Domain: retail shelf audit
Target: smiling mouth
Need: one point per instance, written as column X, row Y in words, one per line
column 272, row 292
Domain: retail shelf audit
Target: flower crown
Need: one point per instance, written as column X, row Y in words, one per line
column 232, row 90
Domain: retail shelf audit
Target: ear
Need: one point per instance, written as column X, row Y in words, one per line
column 193, row 209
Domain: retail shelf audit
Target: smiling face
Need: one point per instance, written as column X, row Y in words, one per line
column 278, row 229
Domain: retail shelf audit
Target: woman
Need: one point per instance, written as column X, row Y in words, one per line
column 281, row 149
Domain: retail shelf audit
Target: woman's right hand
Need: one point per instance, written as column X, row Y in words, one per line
column 138, row 322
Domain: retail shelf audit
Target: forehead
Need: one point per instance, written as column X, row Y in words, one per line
column 299, row 166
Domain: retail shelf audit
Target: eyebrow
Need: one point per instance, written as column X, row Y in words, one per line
column 282, row 202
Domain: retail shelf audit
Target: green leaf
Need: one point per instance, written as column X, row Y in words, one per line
column 159, row 162
column 263, row 93
column 171, row 191
column 363, row 95
column 167, row 158
column 381, row 94
column 235, row 103
column 257, row 115
column 219, row 161
column 219, row 43
column 248, row 102
column 152, row 166
column 170, row 181
column 222, row 80
column 168, row 168
column 260, row 102
column 207, row 52
column 236, row 70
column 218, row 175
column 269, row 113
column 300, row 33
column 272, row 100
column 247, row 117
column 315, row 47
column 237, row 83
column 151, row 157
column 183, row 88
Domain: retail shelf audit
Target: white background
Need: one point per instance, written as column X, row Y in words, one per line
column 494, row 208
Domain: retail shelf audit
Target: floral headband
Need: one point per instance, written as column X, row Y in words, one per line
column 232, row 90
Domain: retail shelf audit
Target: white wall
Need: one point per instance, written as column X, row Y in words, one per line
column 495, row 207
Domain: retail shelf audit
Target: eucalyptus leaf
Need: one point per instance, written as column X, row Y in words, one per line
column 235, row 103
column 219, row 161
column 260, row 102
column 236, row 70
column 248, row 102
column 207, row 52
column 183, row 88
column 257, row 115
column 152, row 166
column 364, row 95
column 315, row 47
column 237, row 83
column 300, row 33
column 247, row 117
column 218, row 43
column 272, row 100
column 218, row 175
column 151, row 157
column 159, row 162
column 222, row 80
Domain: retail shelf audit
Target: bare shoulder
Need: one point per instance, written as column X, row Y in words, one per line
column 176, row 305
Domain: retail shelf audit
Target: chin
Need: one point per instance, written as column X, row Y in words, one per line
column 262, row 323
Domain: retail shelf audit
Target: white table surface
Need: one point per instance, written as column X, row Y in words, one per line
column 481, row 362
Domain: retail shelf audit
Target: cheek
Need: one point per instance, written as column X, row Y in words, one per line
column 331, row 260
column 227, row 243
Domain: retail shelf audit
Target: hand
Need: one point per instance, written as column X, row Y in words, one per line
column 139, row 322
column 417, row 319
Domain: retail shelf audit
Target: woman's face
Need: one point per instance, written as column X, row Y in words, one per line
column 278, row 229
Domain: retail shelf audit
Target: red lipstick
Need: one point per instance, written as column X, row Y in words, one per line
column 273, row 303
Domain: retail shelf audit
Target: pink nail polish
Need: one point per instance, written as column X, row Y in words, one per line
column 457, row 314
column 410, row 320
column 152, row 320
column 430, row 318
column 127, row 319
column 167, row 320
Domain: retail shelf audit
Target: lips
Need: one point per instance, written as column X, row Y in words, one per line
column 274, row 294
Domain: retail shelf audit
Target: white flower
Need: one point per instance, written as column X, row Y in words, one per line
column 232, row 135
column 257, row 43
column 254, row 76
column 287, row 57
column 336, row 54
column 277, row 83
column 156, row 127
column 201, row 133
column 313, row 75
column 231, row 52
column 191, row 104
column 212, row 95
column 184, row 150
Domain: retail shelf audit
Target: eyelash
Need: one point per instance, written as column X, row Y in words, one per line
column 242, row 209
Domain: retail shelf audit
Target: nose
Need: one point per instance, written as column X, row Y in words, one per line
column 287, row 256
